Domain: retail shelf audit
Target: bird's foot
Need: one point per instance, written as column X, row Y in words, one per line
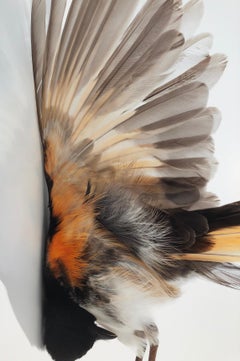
column 150, row 334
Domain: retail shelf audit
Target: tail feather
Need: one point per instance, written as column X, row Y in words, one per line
column 223, row 246
column 223, row 236
column 225, row 274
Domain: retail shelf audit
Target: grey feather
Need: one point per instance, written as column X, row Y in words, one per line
column 38, row 38
column 128, row 91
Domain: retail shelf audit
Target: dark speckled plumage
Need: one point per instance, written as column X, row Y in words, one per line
column 121, row 97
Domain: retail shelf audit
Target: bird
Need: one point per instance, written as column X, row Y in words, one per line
column 121, row 96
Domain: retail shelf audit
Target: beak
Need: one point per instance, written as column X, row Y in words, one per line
column 103, row 334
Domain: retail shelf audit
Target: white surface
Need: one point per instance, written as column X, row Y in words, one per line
column 203, row 324
column 21, row 178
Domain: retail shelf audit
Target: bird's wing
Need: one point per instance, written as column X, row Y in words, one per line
column 122, row 92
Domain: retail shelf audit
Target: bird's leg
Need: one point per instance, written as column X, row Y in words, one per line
column 151, row 332
column 153, row 352
column 142, row 346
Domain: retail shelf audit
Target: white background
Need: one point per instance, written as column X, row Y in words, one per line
column 203, row 324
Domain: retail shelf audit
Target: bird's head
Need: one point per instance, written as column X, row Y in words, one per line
column 69, row 331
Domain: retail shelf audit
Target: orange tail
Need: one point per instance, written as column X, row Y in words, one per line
column 214, row 254
column 225, row 247
column 224, row 236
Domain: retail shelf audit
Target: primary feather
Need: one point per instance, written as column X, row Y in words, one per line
column 122, row 103
column 129, row 111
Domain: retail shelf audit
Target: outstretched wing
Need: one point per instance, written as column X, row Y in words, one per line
column 122, row 93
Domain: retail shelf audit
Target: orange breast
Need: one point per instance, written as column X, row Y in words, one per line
column 67, row 252
column 67, row 246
